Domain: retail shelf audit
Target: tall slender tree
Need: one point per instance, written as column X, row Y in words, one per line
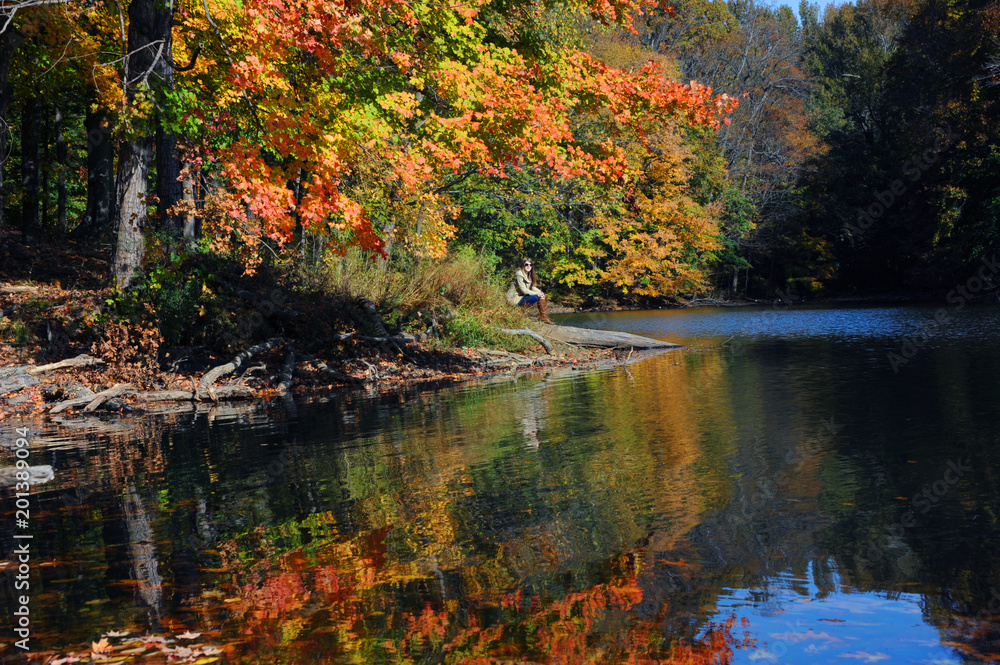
column 148, row 41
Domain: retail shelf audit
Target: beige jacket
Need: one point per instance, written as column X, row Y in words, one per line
column 521, row 287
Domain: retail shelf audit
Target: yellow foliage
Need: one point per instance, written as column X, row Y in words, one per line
column 657, row 240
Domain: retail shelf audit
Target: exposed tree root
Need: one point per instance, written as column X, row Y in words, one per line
column 216, row 373
column 530, row 333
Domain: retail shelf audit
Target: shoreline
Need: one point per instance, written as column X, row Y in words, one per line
column 34, row 392
column 931, row 297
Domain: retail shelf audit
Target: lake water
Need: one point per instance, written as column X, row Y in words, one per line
column 779, row 491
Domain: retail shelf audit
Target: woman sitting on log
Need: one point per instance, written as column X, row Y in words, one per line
column 524, row 291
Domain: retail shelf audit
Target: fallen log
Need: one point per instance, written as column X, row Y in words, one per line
column 222, row 392
column 91, row 401
column 219, row 371
column 604, row 339
column 404, row 338
column 285, row 377
column 530, row 333
column 82, row 360
column 101, row 397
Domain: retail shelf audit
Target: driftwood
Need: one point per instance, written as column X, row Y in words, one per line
column 604, row 339
column 285, row 376
column 219, row 371
column 82, row 360
column 222, row 392
column 702, row 302
column 13, row 379
column 402, row 338
column 530, row 333
column 91, row 401
column 101, row 397
column 504, row 354
column 332, row 373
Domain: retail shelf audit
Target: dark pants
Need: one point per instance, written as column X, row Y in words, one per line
column 528, row 300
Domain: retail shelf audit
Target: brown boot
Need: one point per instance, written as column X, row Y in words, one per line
column 543, row 312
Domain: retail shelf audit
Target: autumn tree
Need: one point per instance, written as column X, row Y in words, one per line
column 372, row 155
column 756, row 53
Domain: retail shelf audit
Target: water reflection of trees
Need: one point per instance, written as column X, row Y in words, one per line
column 609, row 511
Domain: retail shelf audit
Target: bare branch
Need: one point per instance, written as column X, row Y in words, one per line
column 9, row 9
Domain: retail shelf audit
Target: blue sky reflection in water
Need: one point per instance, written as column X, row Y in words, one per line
column 849, row 513
column 800, row 623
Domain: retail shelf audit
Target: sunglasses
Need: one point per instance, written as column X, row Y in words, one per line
column 528, row 263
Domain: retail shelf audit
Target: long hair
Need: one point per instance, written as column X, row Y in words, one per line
column 531, row 275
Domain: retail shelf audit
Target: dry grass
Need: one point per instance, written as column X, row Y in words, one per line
column 463, row 291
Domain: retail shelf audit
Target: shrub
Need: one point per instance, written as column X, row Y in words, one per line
column 463, row 291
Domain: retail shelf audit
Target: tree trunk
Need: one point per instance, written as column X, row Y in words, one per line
column 62, row 155
column 100, row 180
column 31, row 129
column 131, row 192
column 149, row 23
column 9, row 42
column 189, row 196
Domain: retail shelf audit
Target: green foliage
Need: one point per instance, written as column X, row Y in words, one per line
column 478, row 327
column 181, row 284
column 14, row 332
column 180, row 289
column 464, row 292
